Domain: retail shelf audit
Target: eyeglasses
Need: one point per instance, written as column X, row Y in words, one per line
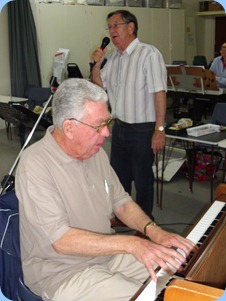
column 115, row 25
column 98, row 128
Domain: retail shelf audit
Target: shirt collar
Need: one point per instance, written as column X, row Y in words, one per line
column 131, row 46
column 224, row 64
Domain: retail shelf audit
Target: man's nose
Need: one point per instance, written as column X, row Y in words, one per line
column 105, row 131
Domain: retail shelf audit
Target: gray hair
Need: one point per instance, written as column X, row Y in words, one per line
column 127, row 17
column 71, row 97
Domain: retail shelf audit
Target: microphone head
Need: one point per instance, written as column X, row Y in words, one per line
column 105, row 42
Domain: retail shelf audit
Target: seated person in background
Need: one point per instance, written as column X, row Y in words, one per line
column 218, row 66
column 67, row 194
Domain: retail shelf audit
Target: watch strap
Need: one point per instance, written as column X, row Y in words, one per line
column 151, row 223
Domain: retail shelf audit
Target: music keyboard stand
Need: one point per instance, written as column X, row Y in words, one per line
column 190, row 79
column 10, row 115
column 7, row 181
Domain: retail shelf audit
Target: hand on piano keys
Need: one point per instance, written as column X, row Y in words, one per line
column 169, row 240
column 209, row 222
column 166, row 250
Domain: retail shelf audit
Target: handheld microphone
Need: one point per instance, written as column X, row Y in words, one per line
column 103, row 45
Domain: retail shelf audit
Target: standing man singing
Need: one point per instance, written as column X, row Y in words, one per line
column 136, row 81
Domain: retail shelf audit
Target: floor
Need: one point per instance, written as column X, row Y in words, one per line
column 181, row 207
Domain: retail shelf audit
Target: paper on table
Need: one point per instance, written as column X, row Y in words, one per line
column 171, row 168
column 222, row 143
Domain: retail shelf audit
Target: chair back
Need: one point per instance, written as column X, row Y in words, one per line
column 37, row 96
column 179, row 62
column 11, row 279
column 200, row 60
column 219, row 114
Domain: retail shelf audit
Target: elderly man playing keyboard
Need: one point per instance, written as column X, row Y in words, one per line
column 67, row 193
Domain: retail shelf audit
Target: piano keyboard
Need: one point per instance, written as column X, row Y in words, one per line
column 197, row 235
column 207, row 222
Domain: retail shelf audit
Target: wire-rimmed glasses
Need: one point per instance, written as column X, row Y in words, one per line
column 98, row 128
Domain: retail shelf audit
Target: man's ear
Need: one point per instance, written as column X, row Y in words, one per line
column 68, row 128
column 131, row 27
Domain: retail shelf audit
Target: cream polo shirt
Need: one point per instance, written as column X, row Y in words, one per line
column 57, row 192
column 131, row 79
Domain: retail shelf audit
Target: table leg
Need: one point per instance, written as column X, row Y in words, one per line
column 162, row 174
column 8, row 130
column 224, row 167
column 159, row 181
column 213, row 174
column 191, row 155
column 157, row 177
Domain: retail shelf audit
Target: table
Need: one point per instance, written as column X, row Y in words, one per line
column 212, row 140
column 196, row 94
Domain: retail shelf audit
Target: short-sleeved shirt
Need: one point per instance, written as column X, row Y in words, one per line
column 131, row 78
column 57, row 192
column 219, row 69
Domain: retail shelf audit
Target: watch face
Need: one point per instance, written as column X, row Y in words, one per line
column 161, row 128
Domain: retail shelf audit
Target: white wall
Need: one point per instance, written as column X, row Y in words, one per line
column 199, row 36
column 205, row 28
column 82, row 28
column 200, row 32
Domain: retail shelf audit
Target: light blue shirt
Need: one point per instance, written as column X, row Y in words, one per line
column 219, row 69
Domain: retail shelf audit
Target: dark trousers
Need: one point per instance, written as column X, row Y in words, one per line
column 132, row 159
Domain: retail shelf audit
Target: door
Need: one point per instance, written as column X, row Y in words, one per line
column 220, row 37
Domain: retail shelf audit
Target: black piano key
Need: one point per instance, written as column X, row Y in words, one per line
column 208, row 231
column 214, row 223
column 210, row 228
column 219, row 215
column 180, row 274
column 202, row 239
column 160, row 296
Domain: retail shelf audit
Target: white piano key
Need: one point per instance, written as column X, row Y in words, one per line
column 205, row 221
column 152, row 290
column 149, row 293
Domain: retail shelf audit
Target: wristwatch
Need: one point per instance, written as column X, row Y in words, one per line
column 160, row 128
column 151, row 223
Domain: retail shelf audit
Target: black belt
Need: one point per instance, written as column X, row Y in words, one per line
column 121, row 123
column 126, row 124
